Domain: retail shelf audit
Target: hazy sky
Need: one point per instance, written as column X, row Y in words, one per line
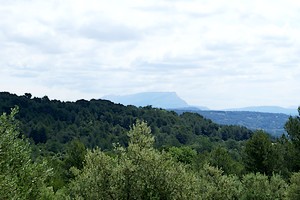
column 214, row 53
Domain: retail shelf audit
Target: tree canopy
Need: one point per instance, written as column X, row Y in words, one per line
column 169, row 156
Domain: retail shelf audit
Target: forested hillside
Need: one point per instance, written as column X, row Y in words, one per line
column 52, row 123
column 99, row 150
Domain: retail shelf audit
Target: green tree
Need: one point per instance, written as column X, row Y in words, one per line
column 184, row 154
column 136, row 172
column 74, row 156
column 20, row 177
column 292, row 127
column 259, row 154
column 216, row 186
column 259, row 186
column 294, row 188
column 221, row 158
column 285, row 155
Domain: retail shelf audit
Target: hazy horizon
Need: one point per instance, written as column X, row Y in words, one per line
column 106, row 97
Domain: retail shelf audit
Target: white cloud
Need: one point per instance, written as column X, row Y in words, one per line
column 212, row 53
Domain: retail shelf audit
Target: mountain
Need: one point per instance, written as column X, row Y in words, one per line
column 155, row 99
column 267, row 109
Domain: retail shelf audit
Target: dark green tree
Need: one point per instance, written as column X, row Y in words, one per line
column 285, row 155
column 259, row 154
column 221, row 158
column 292, row 127
column 75, row 155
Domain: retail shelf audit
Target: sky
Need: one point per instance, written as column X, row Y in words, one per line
column 214, row 53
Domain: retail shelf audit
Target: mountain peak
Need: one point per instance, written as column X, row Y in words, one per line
column 155, row 99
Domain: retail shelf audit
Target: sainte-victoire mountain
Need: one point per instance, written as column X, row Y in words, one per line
column 166, row 100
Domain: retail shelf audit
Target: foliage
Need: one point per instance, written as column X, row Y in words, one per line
column 293, row 128
column 74, row 157
column 259, row 186
column 221, row 158
column 137, row 172
column 52, row 124
column 140, row 171
column 215, row 185
column 284, row 157
column 20, row 177
column 293, row 192
column 259, row 153
column 184, row 154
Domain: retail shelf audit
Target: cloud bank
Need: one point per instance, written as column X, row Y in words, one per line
column 218, row 54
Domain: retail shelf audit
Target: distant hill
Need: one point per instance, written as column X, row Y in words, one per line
column 272, row 123
column 268, row 109
column 155, row 99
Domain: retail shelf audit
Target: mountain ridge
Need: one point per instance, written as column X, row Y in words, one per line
column 266, row 109
column 155, row 99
